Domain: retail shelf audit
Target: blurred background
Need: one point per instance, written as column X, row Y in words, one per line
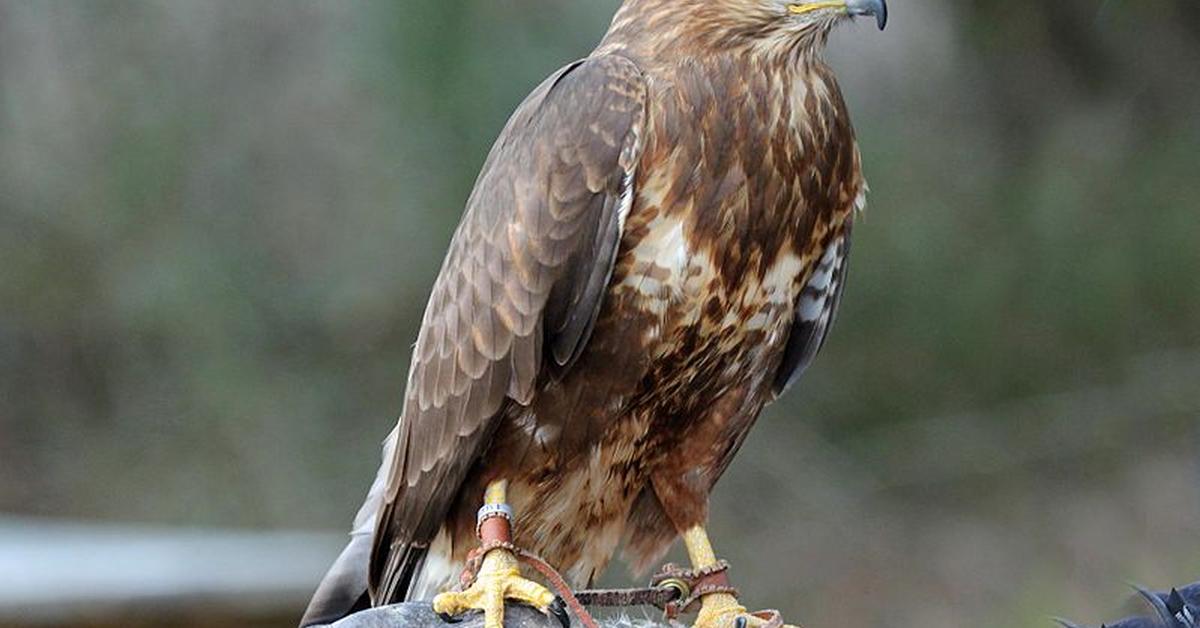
column 219, row 222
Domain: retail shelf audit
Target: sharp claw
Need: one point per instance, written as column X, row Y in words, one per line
column 497, row 583
column 447, row 618
column 558, row 608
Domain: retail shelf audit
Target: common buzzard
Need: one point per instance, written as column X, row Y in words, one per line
column 654, row 250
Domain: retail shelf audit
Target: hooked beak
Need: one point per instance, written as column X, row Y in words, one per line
column 878, row 8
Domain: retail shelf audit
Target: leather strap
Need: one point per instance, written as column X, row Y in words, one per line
column 700, row 582
column 674, row 589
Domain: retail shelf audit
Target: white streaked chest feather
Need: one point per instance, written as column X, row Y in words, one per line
column 673, row 279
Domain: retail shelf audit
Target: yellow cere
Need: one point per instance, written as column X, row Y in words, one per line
column 809, row 7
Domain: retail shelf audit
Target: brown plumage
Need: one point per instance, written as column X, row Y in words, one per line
column 654, row 250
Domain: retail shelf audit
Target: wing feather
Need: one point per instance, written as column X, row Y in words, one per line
column 528, row 265
column 816, row 310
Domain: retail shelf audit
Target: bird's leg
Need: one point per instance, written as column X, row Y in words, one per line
column 498, row 578
column 721, row 608
column 714, row 606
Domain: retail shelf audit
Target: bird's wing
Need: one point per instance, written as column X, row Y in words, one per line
column 522, row 283
column 816, row 309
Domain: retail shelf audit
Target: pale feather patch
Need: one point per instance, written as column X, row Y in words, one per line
column 779, row 281
column 860, row 201
column 602, row 544
column 439, row 572
column 668, row 274
column 660, row 261
column 527, row 421
column 823, row 94
column 816, row 298
column 799, row 119
column 546, row 434
column 626, row 203
column 771, row 296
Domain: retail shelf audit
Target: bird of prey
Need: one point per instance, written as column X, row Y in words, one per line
column 655, row 249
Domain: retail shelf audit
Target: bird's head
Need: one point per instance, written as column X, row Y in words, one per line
column 692, row 26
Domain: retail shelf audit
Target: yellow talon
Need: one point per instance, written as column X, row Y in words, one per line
column 498, row 582
column 720, row 610
column 717, row 610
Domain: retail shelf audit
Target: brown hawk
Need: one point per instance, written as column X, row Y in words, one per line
column 654, row 250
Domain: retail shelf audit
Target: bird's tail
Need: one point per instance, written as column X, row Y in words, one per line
column 344, row 589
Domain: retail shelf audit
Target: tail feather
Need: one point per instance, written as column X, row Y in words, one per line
column 344, row 589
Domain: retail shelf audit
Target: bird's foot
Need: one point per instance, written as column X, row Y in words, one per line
column 495, row 573
column 707, row 591
column 708, row 583
column 722, row 610
column 498, row 582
